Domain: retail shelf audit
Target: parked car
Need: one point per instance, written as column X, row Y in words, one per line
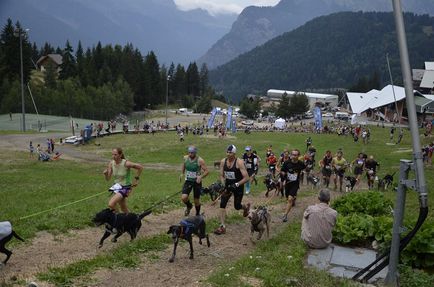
column 308, row 115
column 328, row 115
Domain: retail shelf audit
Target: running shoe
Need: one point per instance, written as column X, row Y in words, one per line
column 221, row 230
column 187, row 211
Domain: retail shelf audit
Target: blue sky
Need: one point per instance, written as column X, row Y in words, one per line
column 222, row 6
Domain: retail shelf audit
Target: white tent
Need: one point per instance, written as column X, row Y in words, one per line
column 279, row 123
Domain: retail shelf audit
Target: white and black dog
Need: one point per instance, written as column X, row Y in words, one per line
column 313, row 180
column 6, row 234
column 350, row 182
column 260, row 220
column 119, row 223
column 385, row 182
column 186, row 228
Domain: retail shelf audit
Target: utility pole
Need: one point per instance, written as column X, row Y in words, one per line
column 19, row 32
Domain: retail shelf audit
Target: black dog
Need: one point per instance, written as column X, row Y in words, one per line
column 350, row 183
column 214, row 190
column 385, row 182
column 271, row 184
column 6, row 234
column 119, row 223
column 186, row 228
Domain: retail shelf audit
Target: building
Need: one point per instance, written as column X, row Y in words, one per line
column 50, row 59
column 326, row 100
column 388, row 104
column 423, row 80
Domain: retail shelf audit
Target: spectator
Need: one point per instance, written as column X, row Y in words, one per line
column 318, row 222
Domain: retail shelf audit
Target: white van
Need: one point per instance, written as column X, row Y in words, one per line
column 182, row 110
column 342, row 116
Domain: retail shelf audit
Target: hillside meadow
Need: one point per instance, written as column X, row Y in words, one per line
column 63, row 195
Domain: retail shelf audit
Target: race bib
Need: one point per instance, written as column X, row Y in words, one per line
column 190, row 174
column 229, row 175
column 292, row 176
column 360, row 162
column 338, row 167
column 248, row 165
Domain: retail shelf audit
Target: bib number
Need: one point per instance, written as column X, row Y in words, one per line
column 229, row 175
column 248, row 165
column 292, row 176
column 190, row 174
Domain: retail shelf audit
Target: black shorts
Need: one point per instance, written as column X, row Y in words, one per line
column 326, row 172
column 358, row 170
column 251, row 172
column 340, row 172
column 192, row 185
column 238, row 197
column 291, row 189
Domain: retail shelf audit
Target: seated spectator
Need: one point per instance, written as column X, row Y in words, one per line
column 318, row 222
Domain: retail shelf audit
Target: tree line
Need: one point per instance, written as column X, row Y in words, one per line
column 97, row 82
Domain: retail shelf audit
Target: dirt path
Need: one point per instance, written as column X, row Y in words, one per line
column 47, row 250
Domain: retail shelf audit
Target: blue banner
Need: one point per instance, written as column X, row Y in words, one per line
column 212, row 117
column 229, row 118
column 318, row 118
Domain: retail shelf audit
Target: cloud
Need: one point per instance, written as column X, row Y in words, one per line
column 222, row 6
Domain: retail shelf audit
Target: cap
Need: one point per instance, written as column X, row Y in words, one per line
column 248, row 148
column 231, row 148
column 192, row 149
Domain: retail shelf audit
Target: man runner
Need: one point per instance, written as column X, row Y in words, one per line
column 194, row 169
column 234, row 174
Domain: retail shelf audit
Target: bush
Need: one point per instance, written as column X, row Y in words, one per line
column 365, row 216
column 371, row 203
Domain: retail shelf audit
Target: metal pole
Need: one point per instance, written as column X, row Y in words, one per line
column 167, row 95
column 398, row 216
column 392, row 276
column 411, row 107
column 23, row 110
column 393, row 90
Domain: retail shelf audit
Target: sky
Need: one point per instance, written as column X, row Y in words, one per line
column 222, row 6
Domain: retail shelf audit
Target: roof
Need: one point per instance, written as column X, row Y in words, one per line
column 361, row 102
column 429, row 66
column 422, row 103
column 427, row 80
column 57, row 58
column 309, row 95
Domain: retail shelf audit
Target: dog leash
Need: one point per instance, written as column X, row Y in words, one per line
column 61, row 206
column 161, row 201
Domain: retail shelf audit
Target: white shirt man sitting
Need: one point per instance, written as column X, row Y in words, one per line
column 318, row 222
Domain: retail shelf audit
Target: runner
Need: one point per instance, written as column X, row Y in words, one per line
column 234, row 174
column 291, row 170
column 339, row 165
column 251, row 162
column 194, row 170
column 326, row 167
column 120, row 169
column 371, row 170
column 359, row 166
column 282, row 179
column 271, row 162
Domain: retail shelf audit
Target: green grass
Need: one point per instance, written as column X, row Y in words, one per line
column 276, row 262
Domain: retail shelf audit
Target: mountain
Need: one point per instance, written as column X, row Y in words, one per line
column 332, row 51
column 174, row 35
column 256, row 25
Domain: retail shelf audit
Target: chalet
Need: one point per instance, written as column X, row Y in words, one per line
column 50, row 59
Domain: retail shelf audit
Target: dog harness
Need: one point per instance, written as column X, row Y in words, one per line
column 187, row 228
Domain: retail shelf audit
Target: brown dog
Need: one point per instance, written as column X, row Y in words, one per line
column 260, row 219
